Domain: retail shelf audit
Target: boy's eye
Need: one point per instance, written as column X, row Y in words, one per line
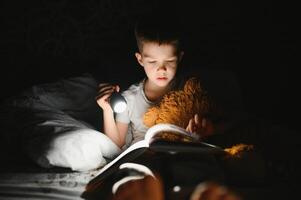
column 151, row 62
column 171, row 61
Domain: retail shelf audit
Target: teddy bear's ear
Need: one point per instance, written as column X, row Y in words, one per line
column 192, row 85
column 150, row 117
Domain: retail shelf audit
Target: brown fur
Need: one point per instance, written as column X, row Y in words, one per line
column 178, row 107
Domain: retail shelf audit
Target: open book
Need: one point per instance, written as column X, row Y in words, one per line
column 166, row 138
column 165, row 147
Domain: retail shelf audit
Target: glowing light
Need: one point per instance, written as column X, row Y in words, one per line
column 119, row 107
column 118, row 102
column 176, row 188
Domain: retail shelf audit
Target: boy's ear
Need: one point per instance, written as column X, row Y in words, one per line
column 139, row 58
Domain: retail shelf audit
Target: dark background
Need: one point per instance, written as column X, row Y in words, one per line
column 42, row 41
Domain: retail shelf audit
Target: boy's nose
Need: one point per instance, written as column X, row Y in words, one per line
column 161, row 67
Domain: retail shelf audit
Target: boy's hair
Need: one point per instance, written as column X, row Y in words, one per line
column 161, row 30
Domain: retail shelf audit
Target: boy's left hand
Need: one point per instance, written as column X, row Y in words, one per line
column 201, row 126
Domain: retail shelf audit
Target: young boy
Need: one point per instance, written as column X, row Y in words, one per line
column 159, row 54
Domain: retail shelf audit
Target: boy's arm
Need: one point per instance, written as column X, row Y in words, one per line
column 116, row 131
column 123, row 130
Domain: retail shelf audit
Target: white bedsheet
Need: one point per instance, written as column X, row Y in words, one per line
column 44, row 185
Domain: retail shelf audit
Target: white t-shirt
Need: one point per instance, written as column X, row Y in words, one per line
column 137, row 105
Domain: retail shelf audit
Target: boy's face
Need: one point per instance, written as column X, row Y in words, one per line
column 160, row 62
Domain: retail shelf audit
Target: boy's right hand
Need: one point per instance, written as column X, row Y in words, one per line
column 105, row 90
column 201, row 126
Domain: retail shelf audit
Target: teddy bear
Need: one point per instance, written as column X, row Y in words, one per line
column 179, row 106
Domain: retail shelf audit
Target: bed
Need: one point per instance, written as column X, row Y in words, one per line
column 51, row 147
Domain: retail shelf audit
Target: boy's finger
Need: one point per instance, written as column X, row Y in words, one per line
column 102, row 89
column 102, row 96
column 105, row 94
column 108, row 85
column 189, row 127
column 196, row 119
column 117, row 88
column 106, row 90
column 103, row 84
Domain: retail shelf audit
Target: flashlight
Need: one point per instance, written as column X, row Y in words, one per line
column 118, row 102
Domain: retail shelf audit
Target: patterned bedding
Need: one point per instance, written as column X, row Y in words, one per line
column 43, row 185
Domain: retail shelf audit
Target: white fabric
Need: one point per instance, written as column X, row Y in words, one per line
column 81, row 150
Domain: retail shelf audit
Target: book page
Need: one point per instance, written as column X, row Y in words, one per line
column 137, row 145
column 158, row 129
column 165, row 130
column 169, row 132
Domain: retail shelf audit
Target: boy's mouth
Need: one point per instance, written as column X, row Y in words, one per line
column 162, row 78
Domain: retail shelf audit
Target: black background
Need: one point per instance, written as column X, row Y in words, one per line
column 42, row 41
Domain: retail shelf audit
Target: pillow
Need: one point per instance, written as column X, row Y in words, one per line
column 53, row 138
column 81, row 150
column 78, row 149
column 48, row 123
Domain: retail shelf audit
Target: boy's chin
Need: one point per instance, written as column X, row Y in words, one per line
column 162, row 83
